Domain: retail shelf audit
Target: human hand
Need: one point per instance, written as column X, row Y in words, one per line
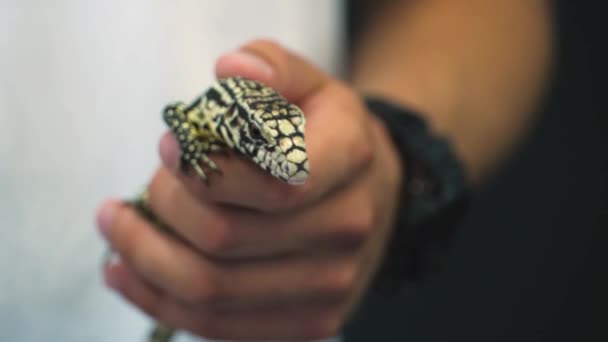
column 264, row 259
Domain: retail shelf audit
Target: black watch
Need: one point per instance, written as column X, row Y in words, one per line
column 434, row 197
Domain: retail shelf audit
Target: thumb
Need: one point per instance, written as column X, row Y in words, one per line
column 270, row 63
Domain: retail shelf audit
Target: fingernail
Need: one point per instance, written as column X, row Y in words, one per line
column 111, row 280
column 111, row 277
column 105, row 217
column 253, row 61
column 169, row 152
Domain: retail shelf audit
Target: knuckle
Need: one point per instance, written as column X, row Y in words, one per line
column 361, row 153
column 204, row 290
column 341, row 282
column 200, row 293
column 219, row 241
column 362, row 221
column 355, row 231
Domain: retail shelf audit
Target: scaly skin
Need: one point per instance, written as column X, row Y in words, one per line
column 245, row 116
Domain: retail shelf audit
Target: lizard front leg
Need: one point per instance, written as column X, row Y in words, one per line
column 195, row 143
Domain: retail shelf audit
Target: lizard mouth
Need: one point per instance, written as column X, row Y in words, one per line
column 297, row 173
column 298, row 179
column 291, row 172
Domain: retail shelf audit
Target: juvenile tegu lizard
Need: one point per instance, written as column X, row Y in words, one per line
column 242, row 115
column 245, row 116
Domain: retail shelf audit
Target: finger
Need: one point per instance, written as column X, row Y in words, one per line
column 180, row 271
column 153, row 302
column 307, row 322
column 158, row 258
column 125, row 281
column 268, row 62
column 334, row 159
column 234, row 233
column 302, row 321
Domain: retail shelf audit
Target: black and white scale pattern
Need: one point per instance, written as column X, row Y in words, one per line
column 248, row 117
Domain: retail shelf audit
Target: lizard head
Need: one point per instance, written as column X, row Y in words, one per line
column 264, row 126
column 273, row 137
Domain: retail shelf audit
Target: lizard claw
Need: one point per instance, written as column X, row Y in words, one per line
column 199, row 171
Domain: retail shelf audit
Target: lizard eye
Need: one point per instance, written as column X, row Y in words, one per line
column 256, row 134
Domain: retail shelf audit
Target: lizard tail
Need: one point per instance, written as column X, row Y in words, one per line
column 161, row 333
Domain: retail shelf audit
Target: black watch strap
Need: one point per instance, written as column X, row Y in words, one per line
column 433, row 199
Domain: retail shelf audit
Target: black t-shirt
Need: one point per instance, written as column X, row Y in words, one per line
column 530, row 261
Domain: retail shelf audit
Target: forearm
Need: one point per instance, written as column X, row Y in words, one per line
column 477, row 69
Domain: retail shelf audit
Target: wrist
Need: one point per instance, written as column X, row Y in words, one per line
column 432, row 199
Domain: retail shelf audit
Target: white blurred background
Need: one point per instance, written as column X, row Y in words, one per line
column 82, row 84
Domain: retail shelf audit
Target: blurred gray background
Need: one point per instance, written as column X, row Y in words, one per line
column 82, row 84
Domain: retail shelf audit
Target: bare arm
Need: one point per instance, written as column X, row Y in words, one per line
column 476, row 68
